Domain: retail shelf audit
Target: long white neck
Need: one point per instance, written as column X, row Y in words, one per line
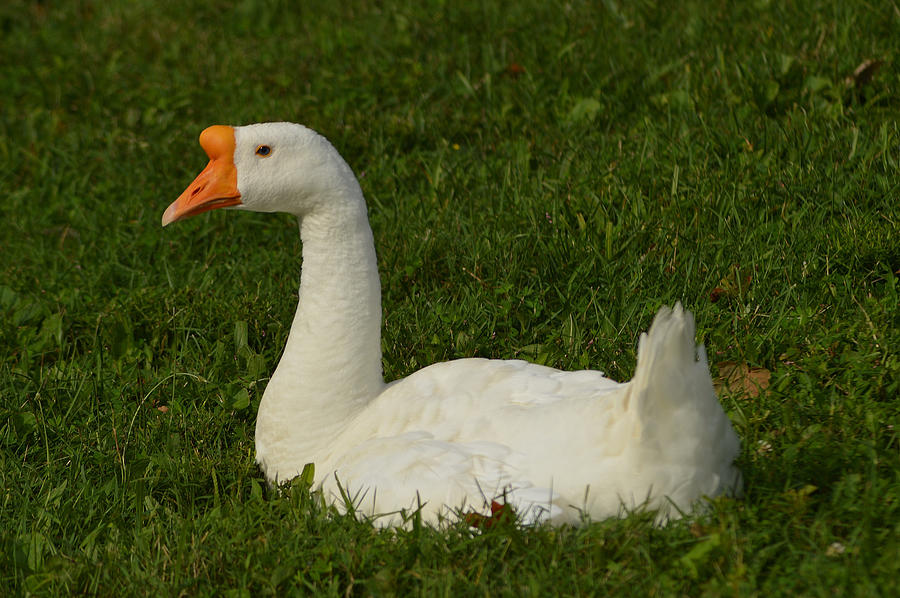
column 331, row 366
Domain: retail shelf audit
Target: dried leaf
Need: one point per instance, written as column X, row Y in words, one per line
column 514, row 69
column 736, row 284
column 500, row 513
column 864, row 73
column 740, row 378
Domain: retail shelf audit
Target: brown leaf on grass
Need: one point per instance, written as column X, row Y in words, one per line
column 740, row 378
column 717, row 294
column 736, row 284
column 864, row 73
column 500, row 513
column 514, row 69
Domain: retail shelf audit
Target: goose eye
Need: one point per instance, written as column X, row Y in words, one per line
column 263, row 150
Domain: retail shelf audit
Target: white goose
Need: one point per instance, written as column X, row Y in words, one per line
column 452, row 436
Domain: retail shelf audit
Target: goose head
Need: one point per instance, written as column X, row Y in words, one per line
column 267, row 167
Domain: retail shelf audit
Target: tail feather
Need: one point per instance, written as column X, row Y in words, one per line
column 685, row 434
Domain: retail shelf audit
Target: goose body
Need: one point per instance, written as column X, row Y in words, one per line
column 456, row 435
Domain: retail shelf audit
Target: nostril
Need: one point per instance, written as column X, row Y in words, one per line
column 198, row 189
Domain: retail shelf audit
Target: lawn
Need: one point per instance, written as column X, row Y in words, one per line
column 541, row 178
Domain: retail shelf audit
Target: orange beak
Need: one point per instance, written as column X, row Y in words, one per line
column 216, row 186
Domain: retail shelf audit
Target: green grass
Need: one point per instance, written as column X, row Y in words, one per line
column 541, row 178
